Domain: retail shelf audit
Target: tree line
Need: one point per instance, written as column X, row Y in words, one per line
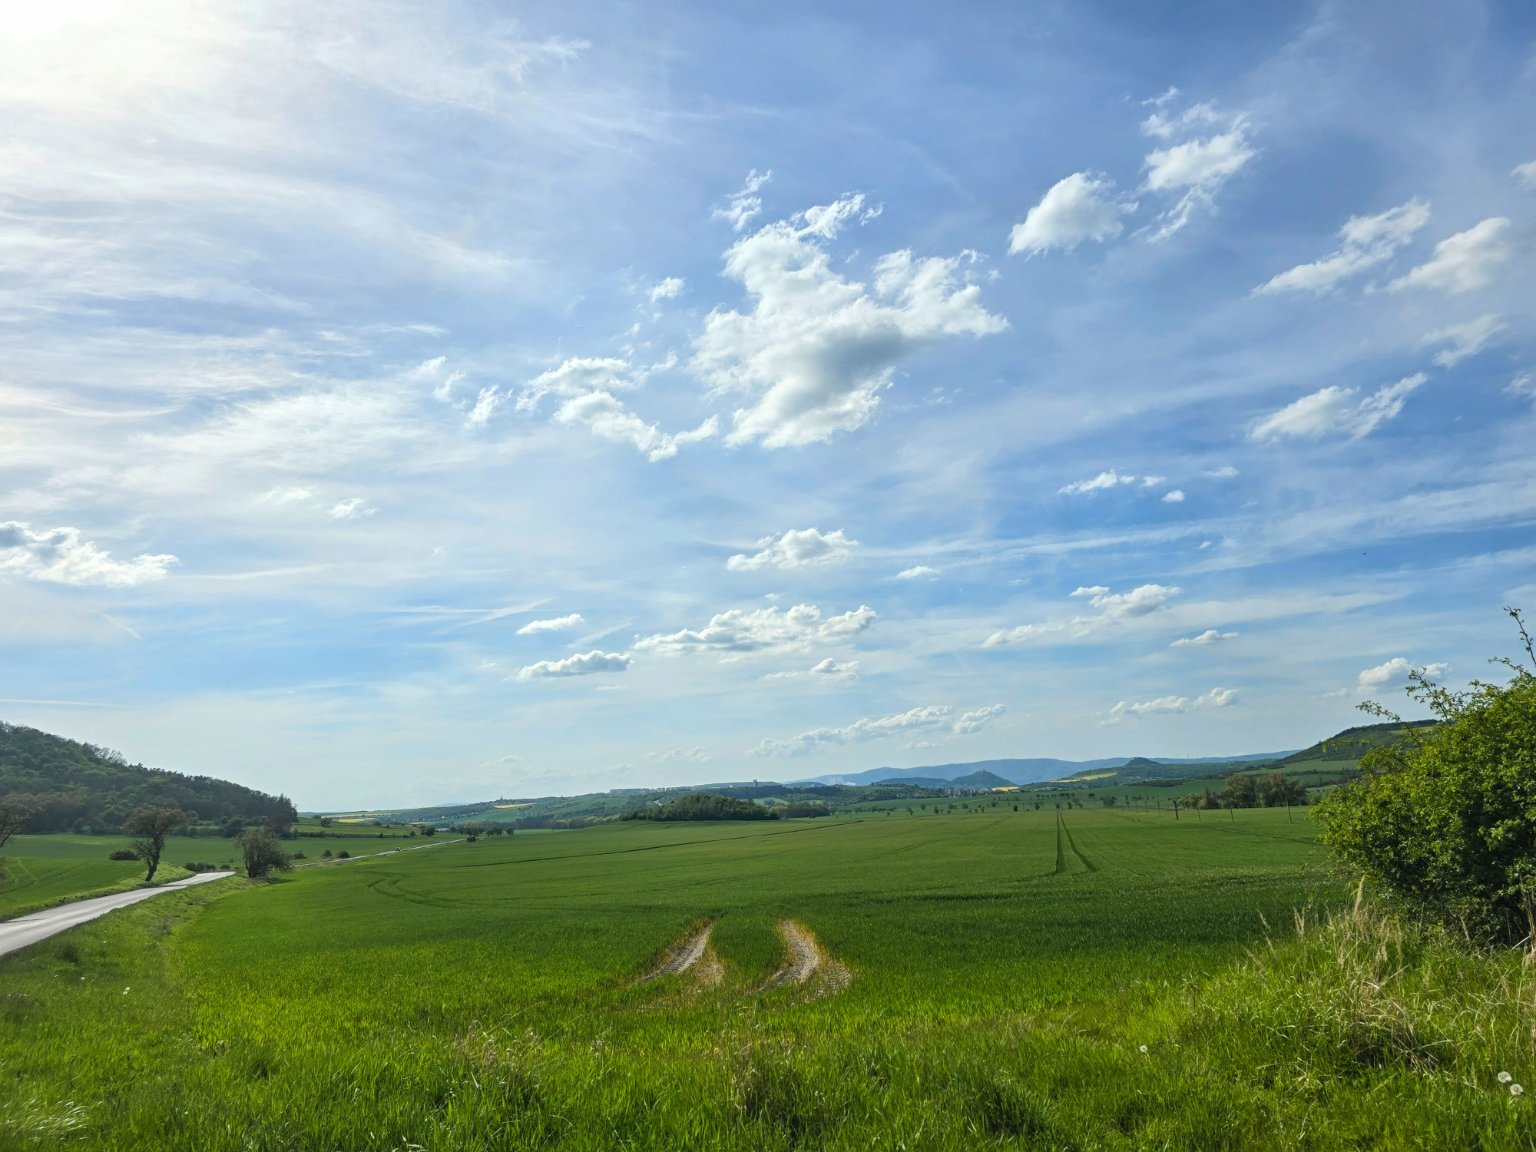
column 70, row 786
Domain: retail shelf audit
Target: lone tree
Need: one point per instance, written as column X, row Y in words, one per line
column 149, row 827
column 263, row 854
column 1446, row 819
column 13, row 817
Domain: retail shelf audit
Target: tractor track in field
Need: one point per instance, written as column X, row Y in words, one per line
column 691, row 953
column 808, row 966
column 1064, row 845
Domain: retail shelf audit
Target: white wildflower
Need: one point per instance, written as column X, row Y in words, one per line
column 1505, row 1077
column 1516, row 1090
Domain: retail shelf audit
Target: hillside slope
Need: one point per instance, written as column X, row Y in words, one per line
column 79, row 787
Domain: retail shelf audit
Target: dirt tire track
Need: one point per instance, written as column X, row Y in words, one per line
column 808, row 965
column 686, row 953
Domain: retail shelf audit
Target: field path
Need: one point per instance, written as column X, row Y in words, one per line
column 686, row 953
column 24, row 930
column 808, row 964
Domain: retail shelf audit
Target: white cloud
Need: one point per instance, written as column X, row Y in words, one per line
column 352, row 508
column 281, row 496
column 579, row 376
column 1463, row 262
column 917, row 572
column 1209, row 636
column 1525, row 175
column 1334, row 410
column 1465, row 340
column 1215, row 698
column 816, row 349
column 586, row 664
column 738, row 632
column 796, row 549
column 746, row 205
column 976, row 719
column 486, row 403
column 1367, row 242
column 553, row 624
column 1114, row 607
column 1393, row 671
column 828, row 671
column 1225, row 472
column 1523, row 385
column 1197, row 166
column 1080, row 207
column 60, row 556
column 669, row 289
column 1099, row 483
column 1174, row 497
column 875, row 728
column 607, row 417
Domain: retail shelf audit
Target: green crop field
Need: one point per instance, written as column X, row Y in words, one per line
column 1092, row 979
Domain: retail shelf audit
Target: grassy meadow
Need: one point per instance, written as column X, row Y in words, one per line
column 1090, row 979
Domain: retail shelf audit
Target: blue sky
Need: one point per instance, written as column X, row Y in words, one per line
column 412, row 402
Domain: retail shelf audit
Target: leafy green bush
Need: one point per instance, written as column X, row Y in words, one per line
column 122, row 854
column 263, row 854
column 1446, row 819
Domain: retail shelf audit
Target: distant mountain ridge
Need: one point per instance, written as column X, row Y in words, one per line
column 1026, row 771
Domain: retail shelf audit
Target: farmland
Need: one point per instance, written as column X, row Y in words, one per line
column 1090, row 978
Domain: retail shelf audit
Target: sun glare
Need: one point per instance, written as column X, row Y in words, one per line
column 29, row 20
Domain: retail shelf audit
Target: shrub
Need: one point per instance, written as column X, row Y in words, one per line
column 122, row 854
column 1446, row 819
column 263, row 854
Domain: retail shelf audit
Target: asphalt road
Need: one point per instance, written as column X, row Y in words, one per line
column 24, row 930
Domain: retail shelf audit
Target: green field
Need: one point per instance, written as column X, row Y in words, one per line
column 1102, row 979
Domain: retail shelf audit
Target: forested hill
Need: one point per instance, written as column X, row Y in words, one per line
column 72, row 786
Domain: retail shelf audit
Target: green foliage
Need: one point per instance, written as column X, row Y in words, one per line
column 1446, row 821
column 149, row 827
column 122, row 854
column 263, row 853
column 73, row 786
column 704, row 806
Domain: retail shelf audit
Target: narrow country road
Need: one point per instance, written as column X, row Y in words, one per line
column 24, row 930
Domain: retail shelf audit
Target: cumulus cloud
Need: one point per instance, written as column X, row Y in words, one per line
column 917, row 572
column 879, row 727
column 1174, row 497
column 1523, row 385
column 1215, row 698
column 1113, row 608
column 1334, row 410
column 61, row 556
column 828, row 671
column 1099, row 483
column 553, row 624
column 484, row 407
column 1225, row 472
column 1525, row 175
column 746, row 205
column 1209, row 636
column 1465, row 340
column 1081, row 207
column 740, row 632
column 586, row 387
column 976, row 719
column 1212, row 147
column 816, row 349
column 669, row 289
column 586, row 664
column 1463, row 262
column 1393, row 671
column 607, row 417
column 795, row 549
column 1367, row 241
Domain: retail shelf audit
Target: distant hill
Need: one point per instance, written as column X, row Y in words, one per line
column 1353, row 743
column 980, row 781
column 79, row 787
column 1031, row 771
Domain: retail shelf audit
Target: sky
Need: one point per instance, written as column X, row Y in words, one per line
column 407, row 403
